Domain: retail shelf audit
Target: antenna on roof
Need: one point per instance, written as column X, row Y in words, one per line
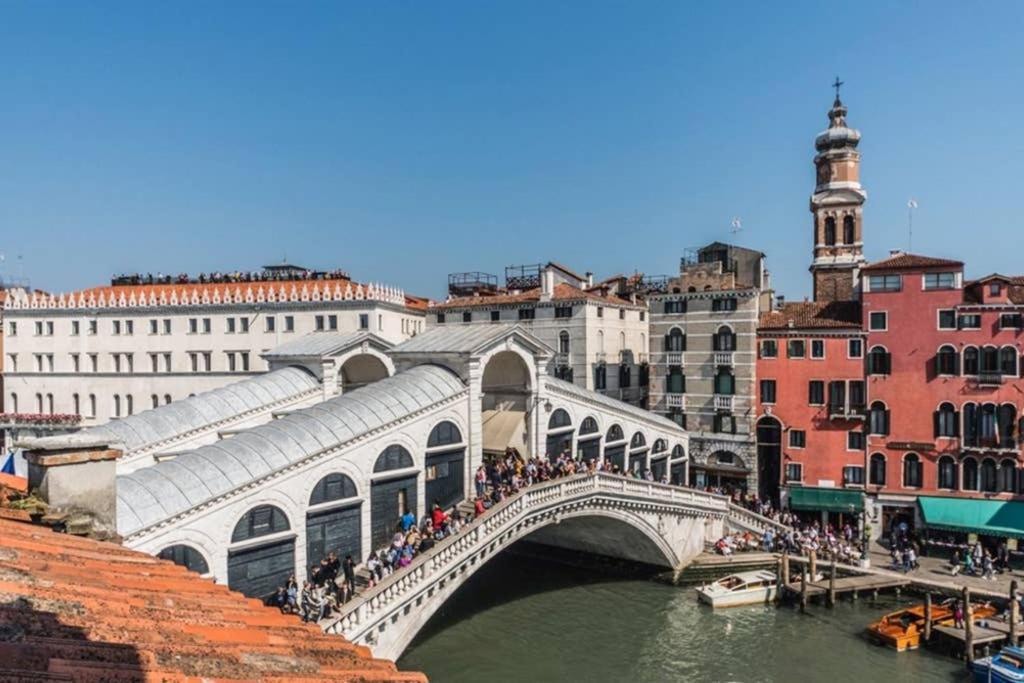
column 911, row 205
column 735, row 226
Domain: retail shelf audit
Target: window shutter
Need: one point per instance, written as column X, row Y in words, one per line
column 936, row 417
column 956, row 423
column 668, row 343
column 885, row 423
column 684, row 343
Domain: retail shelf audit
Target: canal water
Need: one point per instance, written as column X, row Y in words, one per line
column 520, row 621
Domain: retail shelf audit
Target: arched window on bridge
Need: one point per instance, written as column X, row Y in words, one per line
column 256, row 570
column 443, row 434
column 588, row 426
column 336, row 527
column 659, row 446
column 638, row 441
column 335, row 486
column 614, row 434
column 260, row 521
column 588, row 445
column 559, row 418
column 187, row 556
column 393, row 457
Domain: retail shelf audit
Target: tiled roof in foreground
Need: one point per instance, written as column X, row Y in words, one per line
column 75, row 609
column 812, row 315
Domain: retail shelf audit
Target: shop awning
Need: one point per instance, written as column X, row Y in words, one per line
column 833, row 500
column 504, row 429
column 989, row 517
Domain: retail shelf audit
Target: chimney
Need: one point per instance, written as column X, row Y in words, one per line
column 590, row 279
column 79, row 482
column 547, row 284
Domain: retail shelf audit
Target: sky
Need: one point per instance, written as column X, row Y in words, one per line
column 402, row 141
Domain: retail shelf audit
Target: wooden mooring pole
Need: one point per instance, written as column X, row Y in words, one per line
column 927, row 617
column 813, row 561
column 832, row 585
column 1014, row 613
column 803, row 589
column 968, row 625
column 785, row 568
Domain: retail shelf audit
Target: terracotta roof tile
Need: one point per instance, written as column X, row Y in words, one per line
column 906, row 261
column 813, row 315
column 86, row 610
column 563, row 292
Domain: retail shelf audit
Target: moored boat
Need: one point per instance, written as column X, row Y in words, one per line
column 746, row 588
column 903, row 629
column 1005, row 667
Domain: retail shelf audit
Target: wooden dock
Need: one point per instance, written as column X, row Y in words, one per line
column 848, row 584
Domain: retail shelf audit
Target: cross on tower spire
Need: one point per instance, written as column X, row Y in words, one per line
column 838, row 84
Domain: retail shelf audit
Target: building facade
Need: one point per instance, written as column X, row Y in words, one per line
column 110, row 352
column 703, row 359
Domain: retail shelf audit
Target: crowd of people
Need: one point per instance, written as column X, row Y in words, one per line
column 977, row 560
column 271, row 275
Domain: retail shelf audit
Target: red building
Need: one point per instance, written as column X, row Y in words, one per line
column 944, row 387
column 811, row 406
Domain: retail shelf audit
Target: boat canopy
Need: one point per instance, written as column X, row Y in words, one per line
column 820, row 498
column 988, row 517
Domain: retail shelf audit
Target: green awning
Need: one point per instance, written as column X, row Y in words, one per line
column 831, row 499
column 989, row 517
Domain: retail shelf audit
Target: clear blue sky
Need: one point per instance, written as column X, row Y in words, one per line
column 405, row 140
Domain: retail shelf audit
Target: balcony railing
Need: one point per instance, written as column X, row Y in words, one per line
column 723, row 402
column 675, row 401
column 724, row 358
column 844, row 412
column 674, row 358
column 990, row 379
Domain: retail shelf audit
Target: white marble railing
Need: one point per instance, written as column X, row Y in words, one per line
column 496, row 529
column 747, row 519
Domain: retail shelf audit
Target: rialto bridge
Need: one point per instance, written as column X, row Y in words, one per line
column 254, row 482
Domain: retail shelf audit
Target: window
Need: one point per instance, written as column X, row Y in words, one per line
column 75, row 328
column 675, row 382
column 794, row 472
column 969, row 321
column 154, row 401
column 380, row 325
column 1010, row 321
column 989, row 480
column 879, row 361
column 912, row 471
column 769, row 348
column 12, row 329
column 563, row 342
column 853, row 475
column 563, row 311
column 467, row 316
column 92, row 405
column 816, row 392
column 817, row 348
column 600, row 377
column 848, row 231
column 1007, row 476
column 167, row 362
column 726, row 304
column 154, row 326
column 527, row 313
column 93, row 326
column 332, row 322
column 94, row 362
column 947, row 319
column 117, row 405
column 946, row 421
column 970, row 482
column 855, row 348
column 167, row 399
column 796, row 348
column 167, row 325
column 231, row 361
column 675, row 341
column 767, row 391
column 622, row 314
column 678, row 306
column 231, row 325
column 117, row 361
column 243, row 325
column 939, row 280
column 12, row 363
column 116, row 327
column 244, row 355
column 600, row 311
column 947, row 361
column 154, row 361
column 724, row 424
column 1008, row 361
column 76, row 404
column 318, row 324
column 289, row 323
column 129, row 329
column 193, row 359
column 440, row 320
column 269, row 323
column 885, row 283
column 837, row 397
column 725, row 383
column 972, row 361
column 994, row 289
column 858, row 395
column 947, row 473
column 724, row 339
column 495, row 316
column 193, row 325
column 878, row 321
column 830, row 231
column 207, row 361
column 206, row 325
column 854, row 441
column 797, row 438
column 878, row 419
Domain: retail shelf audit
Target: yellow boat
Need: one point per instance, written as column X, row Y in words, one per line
column 902, row 629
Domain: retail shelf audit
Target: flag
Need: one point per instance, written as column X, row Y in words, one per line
column 9, row 465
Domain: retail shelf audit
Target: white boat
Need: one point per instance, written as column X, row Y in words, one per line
column 746, row 588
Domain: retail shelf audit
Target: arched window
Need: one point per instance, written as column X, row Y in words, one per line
column 1007, row 476
column 92, row 405
column 947, row 472
column 1006, row 420
column 912, row 471
column 989, row 480
column 970, row 482
column 971, row 360
column 946, row 420
column 830, row 231
column 187, row 557
column 393, row 457
column 558, row 419
column 987, row 430
column 678, row 452
column 725, row 339
column 563, row 342
column 443, row 434
column 675, row 341
column 660, row 445
column 260, row 521
column 848, row 231
column 878, row 419
column 725, row 382
column 129, row 404
column 600, row 341
column 167, row 399
column 990, row 359
column 49, row 404
column 14, row 403
column 947, row 361
column 879, row 361
column 588, row 426
column 1008, row 361
column 971, row 424
column 335, row 486
column 154, row 400
column 638, row 440
column 117, row 405
column 614, row 434
column 76, row 403
column 39, row 403
column 877, row 467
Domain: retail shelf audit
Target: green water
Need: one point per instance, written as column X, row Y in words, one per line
column 517, row 620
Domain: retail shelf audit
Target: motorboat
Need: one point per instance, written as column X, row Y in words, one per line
column 1004, row 667
column 902, row 629
column 745, row 588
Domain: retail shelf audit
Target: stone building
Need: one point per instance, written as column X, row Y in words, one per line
column 702, row 372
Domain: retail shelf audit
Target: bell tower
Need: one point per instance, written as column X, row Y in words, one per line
column 837, row 205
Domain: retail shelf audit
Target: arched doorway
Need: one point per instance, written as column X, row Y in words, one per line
column 334, row 519
column 505, row 404
column 769, row 459
column 392, row 492
column 361, row 370
column 256, row 569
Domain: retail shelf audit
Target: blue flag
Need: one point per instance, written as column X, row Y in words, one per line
column 9, row 465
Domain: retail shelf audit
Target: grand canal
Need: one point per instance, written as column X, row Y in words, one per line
column 517, row 621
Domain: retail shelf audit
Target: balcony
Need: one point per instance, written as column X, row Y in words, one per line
column 724, row 358
column 844, row 412
column 561, row 359
column 675, row 401
column 674, row 358
column 990, row 379
column 723, row 402
column 600, row 357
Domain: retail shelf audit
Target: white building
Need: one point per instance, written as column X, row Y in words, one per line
column 110, row 352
